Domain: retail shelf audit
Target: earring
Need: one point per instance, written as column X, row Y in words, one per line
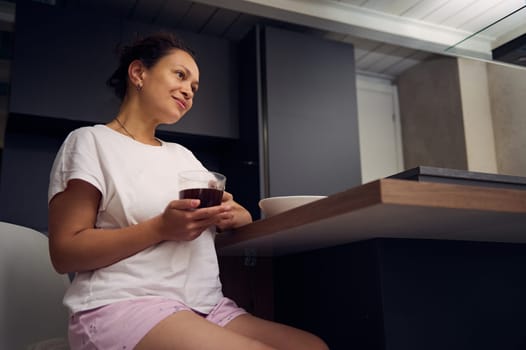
column 139, row 87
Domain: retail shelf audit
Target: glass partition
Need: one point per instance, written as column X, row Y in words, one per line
column 502, row 40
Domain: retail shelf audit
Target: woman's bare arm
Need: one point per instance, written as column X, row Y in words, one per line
column 76, row 245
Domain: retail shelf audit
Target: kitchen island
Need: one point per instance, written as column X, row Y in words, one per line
column 398, row 264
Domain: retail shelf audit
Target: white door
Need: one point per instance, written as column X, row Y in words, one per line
column 379, row 126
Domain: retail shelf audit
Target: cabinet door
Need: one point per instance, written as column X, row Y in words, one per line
column 62, row 59
column 309, row 114
column 61, row 62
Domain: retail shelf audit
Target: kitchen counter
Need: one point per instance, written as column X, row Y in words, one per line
column 386, row 208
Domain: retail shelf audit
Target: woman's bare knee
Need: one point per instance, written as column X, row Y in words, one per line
column 277, row 335
column 319, row 344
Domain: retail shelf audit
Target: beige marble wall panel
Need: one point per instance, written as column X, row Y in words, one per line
column 431, row 115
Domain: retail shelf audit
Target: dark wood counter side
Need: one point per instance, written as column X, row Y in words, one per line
column 386, row 208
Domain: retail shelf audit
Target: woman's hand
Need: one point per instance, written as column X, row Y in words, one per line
column 237, row 215
column 182, row 221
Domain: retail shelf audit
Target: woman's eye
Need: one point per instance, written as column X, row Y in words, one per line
column 180, row 74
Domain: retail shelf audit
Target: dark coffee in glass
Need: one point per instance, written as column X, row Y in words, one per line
column 208, row 196
column 207, row 186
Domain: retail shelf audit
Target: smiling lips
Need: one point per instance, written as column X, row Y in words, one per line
column 182, row 104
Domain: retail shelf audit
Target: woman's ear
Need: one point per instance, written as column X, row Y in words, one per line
column 136, row 73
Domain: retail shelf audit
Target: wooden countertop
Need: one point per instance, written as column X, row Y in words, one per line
column 386, row 208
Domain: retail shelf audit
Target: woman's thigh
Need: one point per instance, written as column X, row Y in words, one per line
column 274, row 334
column 185, row 330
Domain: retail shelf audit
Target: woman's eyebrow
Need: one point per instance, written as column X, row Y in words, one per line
column 188, row 71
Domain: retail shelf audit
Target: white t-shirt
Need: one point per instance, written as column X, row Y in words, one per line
column 137, row 182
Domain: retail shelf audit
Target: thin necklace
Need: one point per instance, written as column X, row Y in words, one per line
column 124, row 128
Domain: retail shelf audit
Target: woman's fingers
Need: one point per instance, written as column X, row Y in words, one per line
column 184, row 204
column 183, row 221
column 227, row 197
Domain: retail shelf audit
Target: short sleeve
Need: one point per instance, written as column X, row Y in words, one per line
column 77, row 158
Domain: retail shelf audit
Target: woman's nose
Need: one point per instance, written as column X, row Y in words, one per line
column 187, row 92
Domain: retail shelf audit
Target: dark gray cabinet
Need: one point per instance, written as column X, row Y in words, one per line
column 60, row 63
column 62, row 59
column 309, row 114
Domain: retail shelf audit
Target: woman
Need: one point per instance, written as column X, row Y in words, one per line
column 146, row 268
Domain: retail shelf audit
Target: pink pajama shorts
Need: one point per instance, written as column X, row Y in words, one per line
column 123, row 324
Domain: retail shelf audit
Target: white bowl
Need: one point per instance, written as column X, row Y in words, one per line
column 276, row 205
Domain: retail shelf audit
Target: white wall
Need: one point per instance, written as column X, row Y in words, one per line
column 508, row 105
column 476, row 112
column 379, row 127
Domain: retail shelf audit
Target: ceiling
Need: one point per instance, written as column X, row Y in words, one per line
column 389, row 36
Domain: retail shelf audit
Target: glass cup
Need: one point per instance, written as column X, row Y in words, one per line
column 207, row 186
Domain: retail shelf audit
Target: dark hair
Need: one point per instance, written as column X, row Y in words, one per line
column 149, row 50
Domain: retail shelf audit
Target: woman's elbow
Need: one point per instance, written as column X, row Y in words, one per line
column 59, row 257
column 59, row 264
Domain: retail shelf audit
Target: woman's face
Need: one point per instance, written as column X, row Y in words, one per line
column 169, row 87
